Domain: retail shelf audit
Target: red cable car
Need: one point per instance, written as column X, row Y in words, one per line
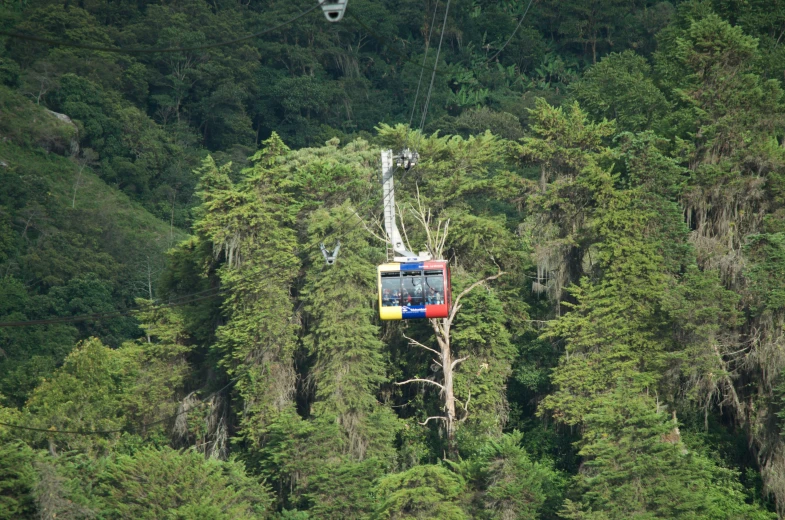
column 413, row 286
column 410, row 290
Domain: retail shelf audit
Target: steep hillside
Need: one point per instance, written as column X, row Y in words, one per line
column 69, row 243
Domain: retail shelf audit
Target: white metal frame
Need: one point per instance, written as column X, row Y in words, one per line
column 334, row 9
column 388, row 192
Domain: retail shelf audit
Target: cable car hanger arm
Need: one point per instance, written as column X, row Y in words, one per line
column 407, row 159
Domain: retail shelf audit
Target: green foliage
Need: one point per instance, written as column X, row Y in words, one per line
column 480, row 384
column 17, row 480
column 767, row 255
column 620, row 87
column 507, row 483
column 26, row 124
column 246, row 227
column 156, row 368
column 164, row 483
column 421, row 492
column 84, row 394
column 636, row 467
column 639, row 226
column 613, row 331
column 348, row 367
column 345, row 490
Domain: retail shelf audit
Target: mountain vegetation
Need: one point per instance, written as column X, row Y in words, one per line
column 606, row 179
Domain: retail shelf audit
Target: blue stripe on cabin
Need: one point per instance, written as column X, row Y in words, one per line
column 413, row 266
column 413, row 312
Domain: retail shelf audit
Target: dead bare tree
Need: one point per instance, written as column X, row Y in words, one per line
column 39, row 80
column 442, row 328
column 87, row 158
column 448, row 363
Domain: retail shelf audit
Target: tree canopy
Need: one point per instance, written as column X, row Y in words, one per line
column 606, row 180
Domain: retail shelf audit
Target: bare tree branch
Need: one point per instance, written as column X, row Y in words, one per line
column 436, row 417
column 419, row 380
column 435, row 240
column 418, row 344
column 369, row 230
column 443, row 240
column 465, row 406
column 469, row 289
column 459, row 360
column 403, row 229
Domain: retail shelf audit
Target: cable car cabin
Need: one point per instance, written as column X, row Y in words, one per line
column 413, row 290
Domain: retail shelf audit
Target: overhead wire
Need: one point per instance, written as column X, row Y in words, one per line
column 435, row 65
column 424, row 59
column 120, row 430
column 385, row 41
column 514, row 32
column 186, row 299
column 120, row 50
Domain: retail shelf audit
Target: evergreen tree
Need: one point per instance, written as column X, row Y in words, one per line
column 620, row 88
column 247, row 228
column 17, row 480
column 421, row 492
column 637, row 467
column 84, row 394
column 162, row 483
column 506, row 483
column 348, row 366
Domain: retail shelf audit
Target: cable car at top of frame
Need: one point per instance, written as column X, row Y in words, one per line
column 413, row 286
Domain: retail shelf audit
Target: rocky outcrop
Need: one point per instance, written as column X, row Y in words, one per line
column 66, row 143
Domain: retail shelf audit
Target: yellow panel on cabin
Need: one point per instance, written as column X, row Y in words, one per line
column 391, row 313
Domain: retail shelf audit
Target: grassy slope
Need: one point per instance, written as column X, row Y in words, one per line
column 119, row 226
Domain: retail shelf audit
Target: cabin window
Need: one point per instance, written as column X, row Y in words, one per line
column 434, row 287
column 413, row 291
column 391, row 289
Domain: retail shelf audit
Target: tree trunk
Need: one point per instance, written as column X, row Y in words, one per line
column 443, row 336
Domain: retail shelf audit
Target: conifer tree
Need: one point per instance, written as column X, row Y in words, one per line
column 84, row 394
column 17, row 480
column 422, row 492
column 614, row 330
column 637, row 467
column 247, row 225
column 351, row 436
column 349, row 365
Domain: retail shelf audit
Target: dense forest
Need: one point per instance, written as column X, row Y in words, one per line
column 605, row 177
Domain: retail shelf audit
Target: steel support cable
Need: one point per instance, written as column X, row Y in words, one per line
column 144, row 426
column 385, row 41
column 61, row 43
column 119, row 430
column 435, row 66
column 514, row 32
column 186, row 299
column 406, row 59
column 216, row 291
column 425, row 57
